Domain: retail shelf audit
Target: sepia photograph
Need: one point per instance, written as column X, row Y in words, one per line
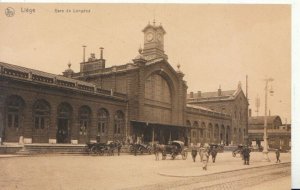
column 146, row 96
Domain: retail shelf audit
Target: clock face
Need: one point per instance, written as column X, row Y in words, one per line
column 149, row 37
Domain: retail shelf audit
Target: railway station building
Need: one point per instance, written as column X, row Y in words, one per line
column 145, row 100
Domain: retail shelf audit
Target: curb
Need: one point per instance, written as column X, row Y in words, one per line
column 167, row 175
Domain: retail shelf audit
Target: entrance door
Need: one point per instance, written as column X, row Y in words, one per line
column 62, row 134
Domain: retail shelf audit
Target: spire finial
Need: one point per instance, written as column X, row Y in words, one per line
column 178, row 66
column 154, row 22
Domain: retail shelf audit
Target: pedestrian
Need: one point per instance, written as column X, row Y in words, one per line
column 277, row 152
column 201, row 153
column 205, row 159
column 194, row 152
column 246, row 155
column 135, row 148
column 156, row 151
column 119, row 145
column 214, row 153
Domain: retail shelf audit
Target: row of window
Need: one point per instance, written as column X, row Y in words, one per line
column 41, row 116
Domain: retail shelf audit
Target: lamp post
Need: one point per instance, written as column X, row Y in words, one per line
column 265, row 150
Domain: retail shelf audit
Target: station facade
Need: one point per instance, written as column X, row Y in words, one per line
column 143, row 100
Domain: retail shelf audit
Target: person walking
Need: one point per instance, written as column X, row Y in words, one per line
column 119, row 146
column 194, row 152
column 205, row 159
column 246, row 154
column 135, row 148
column 277, row 152
column 156, row 151
column 214, row 153
column 201, row 153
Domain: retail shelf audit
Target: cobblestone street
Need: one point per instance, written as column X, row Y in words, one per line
column 140, row 172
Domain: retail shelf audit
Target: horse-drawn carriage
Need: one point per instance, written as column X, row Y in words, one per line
column 140, row 148
column 174, row 149
column 102, row 148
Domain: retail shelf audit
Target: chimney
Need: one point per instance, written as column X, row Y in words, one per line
column 191, row 94
column 84, row 53
column 199, row 94
column 219, row 91
column 101, row 52
column 250, row 113
column 269, row 112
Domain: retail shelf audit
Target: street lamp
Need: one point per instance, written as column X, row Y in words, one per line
column 265, row 150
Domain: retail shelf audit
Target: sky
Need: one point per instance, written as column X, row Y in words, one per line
column 215, row 44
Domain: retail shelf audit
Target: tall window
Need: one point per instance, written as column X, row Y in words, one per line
column 210, row 130
column 102, row 122
column 119, row 122
column 84, row 119
column 202, row 131
column 14, row 110
column 41, row 114
column 216, row 131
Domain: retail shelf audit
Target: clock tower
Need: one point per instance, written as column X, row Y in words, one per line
column 154, row 41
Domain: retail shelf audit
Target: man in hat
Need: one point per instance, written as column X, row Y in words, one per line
column 194, row 152
column 246, row 155
column 277, row 152
column 205, row 159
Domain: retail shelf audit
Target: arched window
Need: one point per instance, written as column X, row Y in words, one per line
column 119, row 122
column 41, row 111
column 102, row 121
column 210, row 130
column 84, row 119
column 202, row 129
column 14, row 110
column 216, row 131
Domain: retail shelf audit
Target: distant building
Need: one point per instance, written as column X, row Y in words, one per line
column 233, row 103
column 279, row 135
column 145, row 99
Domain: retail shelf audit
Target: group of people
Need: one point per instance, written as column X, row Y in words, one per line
column 204, row 153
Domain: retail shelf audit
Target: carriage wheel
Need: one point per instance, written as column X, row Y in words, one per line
column 173, row 156
column 101, row 152
column 184, row 155
column 94, row 150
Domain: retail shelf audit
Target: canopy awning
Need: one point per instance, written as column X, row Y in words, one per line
column 153, row 124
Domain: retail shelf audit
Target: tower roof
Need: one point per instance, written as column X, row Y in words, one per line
column 155, row 27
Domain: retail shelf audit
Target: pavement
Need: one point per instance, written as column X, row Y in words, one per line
column 54, row 171
column 224, row 163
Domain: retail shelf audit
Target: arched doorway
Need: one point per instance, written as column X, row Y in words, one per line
column 210, row 133
column 84, row 124
column 64, row 114
column 41, row 115
column 222, row 134
column 228, row 132
column 216, row 133
column 102, row 127
column 13, row 122
column 119, row 126
column 203, row 132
